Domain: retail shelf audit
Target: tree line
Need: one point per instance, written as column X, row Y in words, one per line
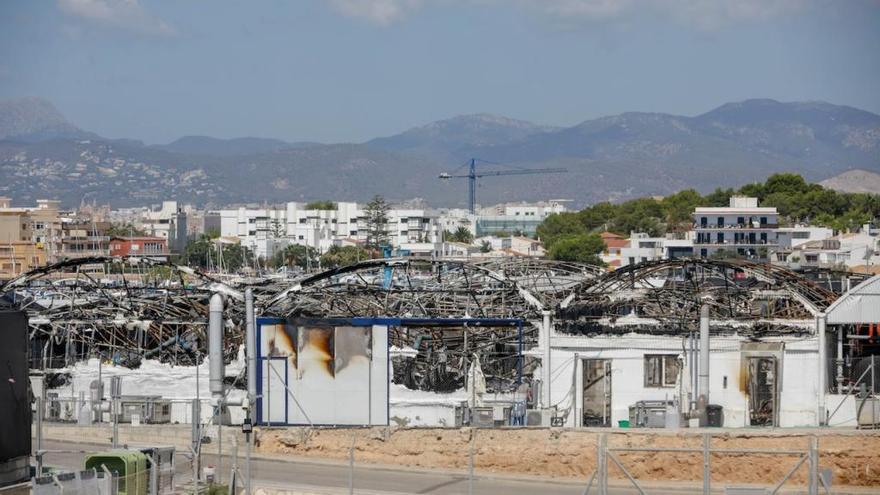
column 573, row 236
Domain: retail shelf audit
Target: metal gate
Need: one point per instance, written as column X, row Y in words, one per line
column 810, row 456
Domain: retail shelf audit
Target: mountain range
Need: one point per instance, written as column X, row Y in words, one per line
column 43, row 155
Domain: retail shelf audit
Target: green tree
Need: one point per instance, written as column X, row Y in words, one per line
column 235, row 257
column 296, row 255
column 277, row 229
column 124, row 230
column 461, row 234
column 376, row 213
column 485, row 247
column 558, row 225
column 598, row 216
column 583, row 248
column 321, row 205
column 338, row 256
column 196, row 252
column 678, row 209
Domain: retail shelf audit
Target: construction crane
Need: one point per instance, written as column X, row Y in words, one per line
column 472, row 175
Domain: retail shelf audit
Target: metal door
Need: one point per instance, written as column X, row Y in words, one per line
column 596, row 392
column 275, row 394
column 763, row 391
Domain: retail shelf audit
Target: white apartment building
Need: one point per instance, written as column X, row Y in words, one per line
column 853, row 251
column 167, row 222
column 263, row 231
column 792, row 237
column 319, row 229
column 742, row 228
column 642, row 248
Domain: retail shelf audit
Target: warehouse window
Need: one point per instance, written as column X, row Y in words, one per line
column 661, row 370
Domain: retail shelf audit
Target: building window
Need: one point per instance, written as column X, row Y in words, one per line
column 704, row 221
column 704, row 252
column 721, row 238
column 741, row 220
column 661, row 370
column 763, row 221
column 721, row 221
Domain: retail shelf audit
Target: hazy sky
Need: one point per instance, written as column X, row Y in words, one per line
column 349, row 70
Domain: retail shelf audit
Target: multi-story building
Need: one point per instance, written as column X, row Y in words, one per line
column 40, row 225
column 792, row 237
column 168, row 222
column 641, row 247
column 741, row 229
column 510, row 218
column 319, row 228
column 155, row 248
column 83, row 239
column 855, row 251
column 17, row 257
column 263, row 231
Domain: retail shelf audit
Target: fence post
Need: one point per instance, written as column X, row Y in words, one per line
column 814, row 466
column 471, row 461
column 602, row 463
column 196, row 440
column 39, row 452
column 351, row 465
column 707, row 472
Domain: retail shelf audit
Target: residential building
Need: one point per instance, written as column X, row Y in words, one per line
column 40, row 225
column 856, row 251
column 641, row 247
column 614, row 244
column 263, row 231
column 82, row 239
column 168, row 222
column 155, row 248
column 512, row 246
column 17, row 257
column 742, row 229
column 792, row 237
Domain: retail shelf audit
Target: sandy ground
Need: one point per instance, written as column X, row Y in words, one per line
column 853, row 456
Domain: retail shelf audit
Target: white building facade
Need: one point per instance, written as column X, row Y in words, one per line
column 742, row 229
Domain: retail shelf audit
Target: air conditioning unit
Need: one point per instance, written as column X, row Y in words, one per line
column 540, row 417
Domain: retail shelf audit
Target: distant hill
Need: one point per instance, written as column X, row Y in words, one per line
column 462, row 132
column 35, row 119
column 609, row 158
column 205, row 145
column 854, row 181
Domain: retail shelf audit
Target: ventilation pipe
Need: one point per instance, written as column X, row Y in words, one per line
column 821, row 326
column 250, row 347
column 545, row 361
column 703, row 390
column 215, row 346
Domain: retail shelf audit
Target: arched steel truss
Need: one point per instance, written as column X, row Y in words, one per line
column 127, row 316
column 665, row 297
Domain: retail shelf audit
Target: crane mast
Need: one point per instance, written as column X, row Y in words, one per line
column 472, row 177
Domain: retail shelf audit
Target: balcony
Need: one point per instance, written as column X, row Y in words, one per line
column 710, row 226
column 732, row 243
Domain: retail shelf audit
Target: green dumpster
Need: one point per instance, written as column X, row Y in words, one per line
column 129, row 466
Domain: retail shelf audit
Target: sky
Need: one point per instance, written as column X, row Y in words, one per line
column 351, row 70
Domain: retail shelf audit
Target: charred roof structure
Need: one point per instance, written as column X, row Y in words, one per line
column 147, row 309
column 664, row 297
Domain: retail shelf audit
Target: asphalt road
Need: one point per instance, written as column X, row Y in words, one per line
column 333, row 479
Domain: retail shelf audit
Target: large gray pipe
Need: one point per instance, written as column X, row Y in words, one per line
column 250, row 347
column 215, row 345
column 703, row 392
